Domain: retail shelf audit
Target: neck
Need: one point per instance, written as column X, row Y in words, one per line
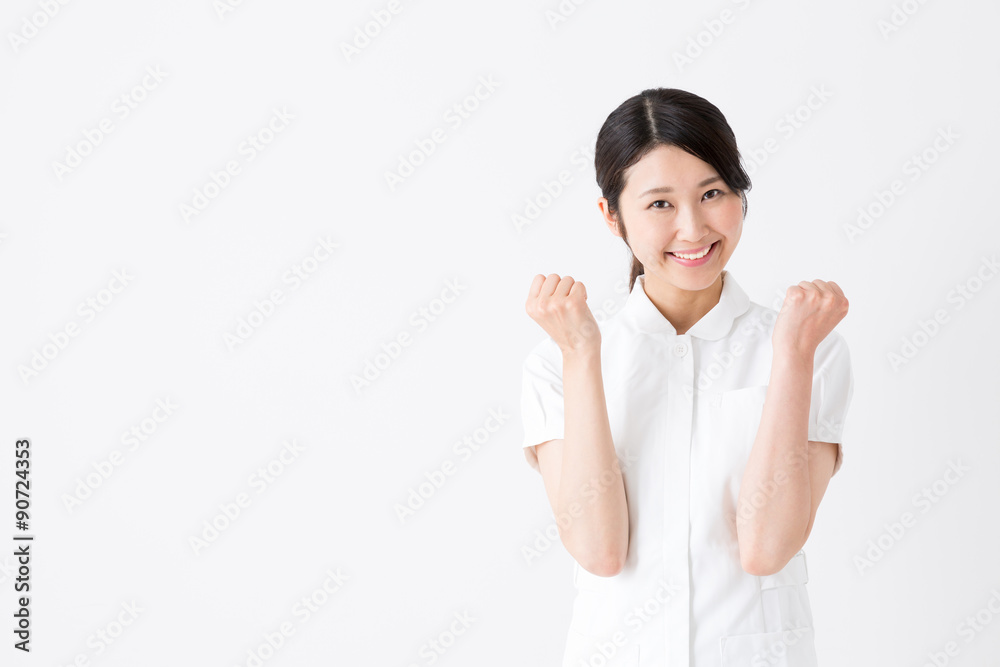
column 682, row 308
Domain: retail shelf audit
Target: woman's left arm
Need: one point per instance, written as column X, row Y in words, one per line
column 787, row 474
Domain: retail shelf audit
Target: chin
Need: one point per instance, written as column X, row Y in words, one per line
column 687, row 279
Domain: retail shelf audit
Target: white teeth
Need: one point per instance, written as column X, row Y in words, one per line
column 698, row 256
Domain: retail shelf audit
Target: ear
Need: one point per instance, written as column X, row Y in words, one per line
column 609, row 218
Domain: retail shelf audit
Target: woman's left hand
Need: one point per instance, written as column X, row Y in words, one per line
column 809, row 313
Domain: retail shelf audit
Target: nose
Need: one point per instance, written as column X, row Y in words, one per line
column 690, row 225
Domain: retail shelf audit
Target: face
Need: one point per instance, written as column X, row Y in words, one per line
column 675, row 202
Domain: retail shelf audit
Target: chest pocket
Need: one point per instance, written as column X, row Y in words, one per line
column 736, row 415
column 729, row 421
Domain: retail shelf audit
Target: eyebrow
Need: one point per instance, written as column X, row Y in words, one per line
column 666, row 188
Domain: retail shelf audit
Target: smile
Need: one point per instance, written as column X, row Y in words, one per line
column 698, row 254
column 695, row 257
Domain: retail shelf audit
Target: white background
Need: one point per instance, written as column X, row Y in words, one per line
column 334, row 506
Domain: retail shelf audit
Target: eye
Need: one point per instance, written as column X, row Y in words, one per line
column 658, row 201
column 715, row 190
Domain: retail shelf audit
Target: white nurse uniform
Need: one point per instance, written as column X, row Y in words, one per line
column 684, row 410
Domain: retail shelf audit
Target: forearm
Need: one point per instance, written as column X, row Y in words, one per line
column 773, row 509
column 591, row 489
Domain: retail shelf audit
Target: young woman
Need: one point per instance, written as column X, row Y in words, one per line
column 685, row 442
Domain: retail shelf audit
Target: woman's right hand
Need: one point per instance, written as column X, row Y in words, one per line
column 559, row 306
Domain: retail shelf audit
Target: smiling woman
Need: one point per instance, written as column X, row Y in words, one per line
column 703, row 528
column 687, row 146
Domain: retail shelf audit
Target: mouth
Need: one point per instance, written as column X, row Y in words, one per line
column 696, row 256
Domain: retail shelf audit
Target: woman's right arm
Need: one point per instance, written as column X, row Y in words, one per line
column 580, row 471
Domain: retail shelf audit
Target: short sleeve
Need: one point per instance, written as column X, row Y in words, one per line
column 541, row 398
column 832, row 391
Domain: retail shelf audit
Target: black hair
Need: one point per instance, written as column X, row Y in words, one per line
column 664, row 117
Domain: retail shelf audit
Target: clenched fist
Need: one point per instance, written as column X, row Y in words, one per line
column 809, row 313
column 559, row 305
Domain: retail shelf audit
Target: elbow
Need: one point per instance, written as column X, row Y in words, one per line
column 765, row 554
column 762, row 563
column 602, row 551
column 606, row 565
column 757, row 566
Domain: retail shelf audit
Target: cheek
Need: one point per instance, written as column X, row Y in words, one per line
column 650, row 240
column 643, row 229
column 729, row 219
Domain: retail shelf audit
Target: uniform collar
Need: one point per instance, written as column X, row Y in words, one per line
column 715, row 324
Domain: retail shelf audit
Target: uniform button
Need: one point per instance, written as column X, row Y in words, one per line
column 680, row 349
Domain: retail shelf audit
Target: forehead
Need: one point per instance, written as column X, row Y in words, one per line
column 667, row 166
